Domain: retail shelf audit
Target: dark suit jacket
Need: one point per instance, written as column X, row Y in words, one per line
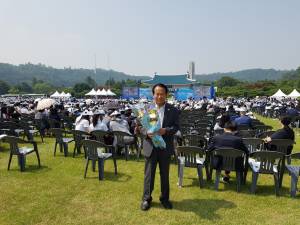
column 292, row 112
column 171, row 123
column 284, row 133
column 227, row 140
column 243, row 120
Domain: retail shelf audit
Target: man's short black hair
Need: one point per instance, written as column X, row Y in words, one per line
column 230, row 126
column 160, row 85
column 286, row 120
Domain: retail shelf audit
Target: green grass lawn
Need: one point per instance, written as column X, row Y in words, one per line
column 57, row 193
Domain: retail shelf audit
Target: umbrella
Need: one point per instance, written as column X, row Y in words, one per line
column 45, row 103
column 37, row 100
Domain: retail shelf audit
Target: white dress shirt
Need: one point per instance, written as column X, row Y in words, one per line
column 101, row 125
column 83, row 125
column 161, row 112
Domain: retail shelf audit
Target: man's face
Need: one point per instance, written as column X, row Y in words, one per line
column 160, row 96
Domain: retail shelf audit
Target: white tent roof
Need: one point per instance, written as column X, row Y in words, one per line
column 68, row 95
column 55, row 95
column 92, row 92
column 279, row 94
column 294, row 94
column 110, row 93
column 98, row 92
column 103, row 92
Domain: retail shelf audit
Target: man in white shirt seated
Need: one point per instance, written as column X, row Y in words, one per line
column 117, row 124
column 82, row 122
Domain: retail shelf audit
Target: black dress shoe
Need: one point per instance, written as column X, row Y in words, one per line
column 145, row 205
column 167, row 204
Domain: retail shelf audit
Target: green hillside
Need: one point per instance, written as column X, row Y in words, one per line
column 58, row 77
column 67, row 77
column 250, row 75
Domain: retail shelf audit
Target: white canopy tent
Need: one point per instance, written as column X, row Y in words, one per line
column 279, row 94
column 55, row 95
column 98, row 93
column 92, row 92
column 63, row 95
column 294, row 94
column 103, row 92
column 110, row 93
column 60, row 95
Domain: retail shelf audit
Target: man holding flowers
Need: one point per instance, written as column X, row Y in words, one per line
column 155, row 151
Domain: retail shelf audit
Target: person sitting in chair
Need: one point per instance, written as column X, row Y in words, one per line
column 243, row 119
column 284, row 133
column 227, row 140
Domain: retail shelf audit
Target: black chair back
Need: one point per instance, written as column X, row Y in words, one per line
column 192, row 155
column 267, row 160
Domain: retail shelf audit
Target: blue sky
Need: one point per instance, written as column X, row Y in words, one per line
column 141, row 37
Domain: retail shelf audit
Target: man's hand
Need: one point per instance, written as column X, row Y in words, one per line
column 150, row 135
column 162, row 131
column 267, row 139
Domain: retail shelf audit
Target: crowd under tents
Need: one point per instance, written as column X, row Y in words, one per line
column 281, row 94
column 99, row 92
column 91, row 93
column 294, row 94
column 60, row 95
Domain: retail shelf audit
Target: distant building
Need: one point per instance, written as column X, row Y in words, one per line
column 191, row 72
column 172, row 81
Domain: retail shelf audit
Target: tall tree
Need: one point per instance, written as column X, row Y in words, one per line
column 81, row 87
column 227, row 82
column 4, row 87
column 43, row 88
column 24, row 87
column 91, row 82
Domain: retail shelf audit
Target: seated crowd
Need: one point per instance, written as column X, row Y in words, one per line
column 230, row 118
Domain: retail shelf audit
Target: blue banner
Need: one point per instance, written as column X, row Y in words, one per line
column 182, row 94
column 130, row 93
column 212, row 91
column 146, row 93
column 201, row 91
column 196, row 93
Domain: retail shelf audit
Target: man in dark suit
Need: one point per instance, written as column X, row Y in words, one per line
column 227, row 140
column 292, row 111
column 169, row 117
column 284, row 133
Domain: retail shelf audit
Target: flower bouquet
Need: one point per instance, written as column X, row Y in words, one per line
column 149, row 119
